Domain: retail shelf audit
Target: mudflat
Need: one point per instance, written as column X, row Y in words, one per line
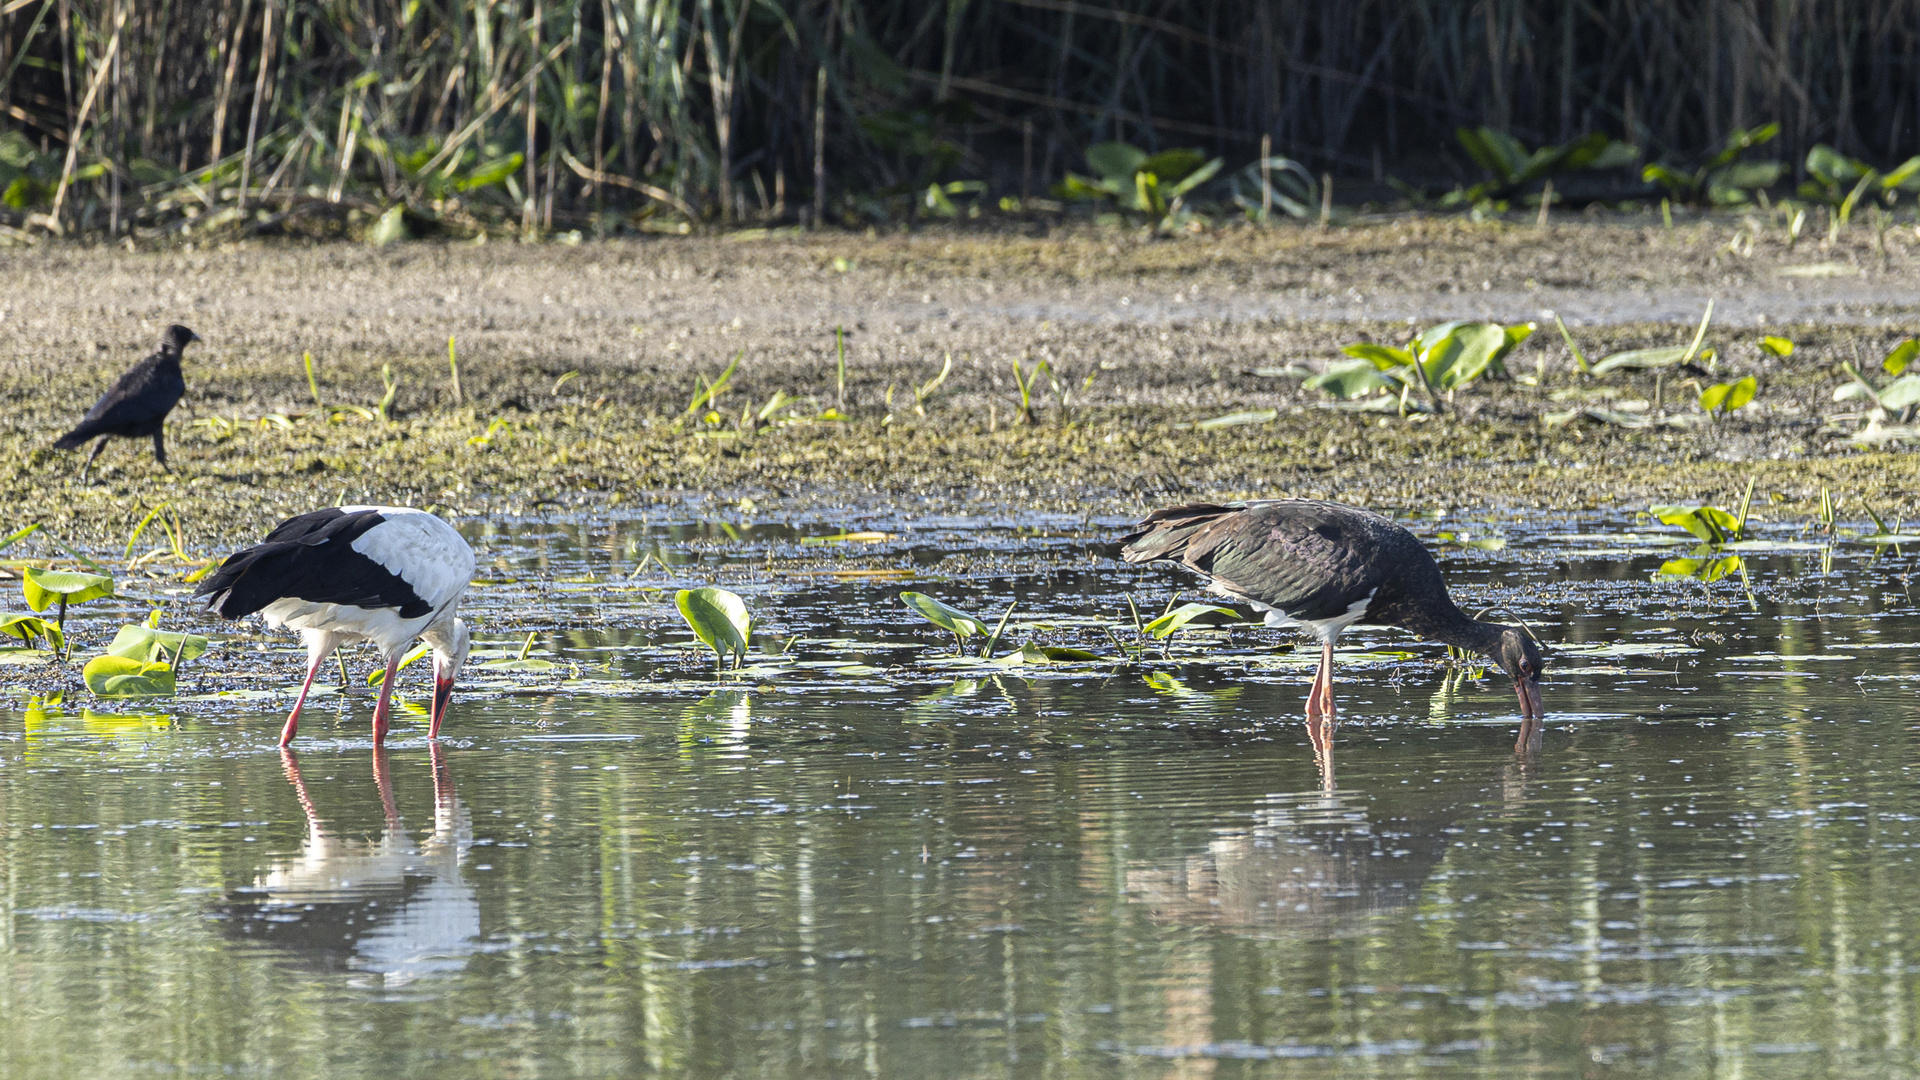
column 578, row 364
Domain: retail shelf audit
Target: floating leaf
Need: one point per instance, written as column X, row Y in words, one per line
column 1779, row 346
column 951, row 619
column 1260, row 416
column 31, row 628
column 1454, row 354
column 1709, row 523
column 1901, row 392
column 1349, row 380
column 1173, row 621
column 146, row 645
column 120, row 677
column 719, row 619
column 1382, row 357
column 1726, row 397
column 45, row 588
column 1481, row 543
column 1902, row 354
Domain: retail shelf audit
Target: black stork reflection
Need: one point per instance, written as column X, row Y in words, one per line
column 1321, row 864
column 1323, row 567
column 386, row 907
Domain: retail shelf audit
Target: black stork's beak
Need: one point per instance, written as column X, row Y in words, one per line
column 1529, row 691
column 442, row 698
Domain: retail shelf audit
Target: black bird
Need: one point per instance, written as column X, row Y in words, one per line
column 1324, row 567
column 138, row 403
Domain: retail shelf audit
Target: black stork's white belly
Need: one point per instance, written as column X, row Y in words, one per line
column 387, row 575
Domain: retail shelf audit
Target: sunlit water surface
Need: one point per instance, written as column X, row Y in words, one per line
column 853, row 861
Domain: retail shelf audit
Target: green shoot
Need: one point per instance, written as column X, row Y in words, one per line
column 386, row 400
column 313, row 382
column 1579, row 358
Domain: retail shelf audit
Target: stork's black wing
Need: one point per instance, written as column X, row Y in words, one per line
column 311, row 558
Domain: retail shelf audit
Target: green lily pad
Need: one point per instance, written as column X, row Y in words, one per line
column 719, row 619
column 1173, row 621
column 120, row 677
column 45, row 588
column 146, row 644
column 31, row 628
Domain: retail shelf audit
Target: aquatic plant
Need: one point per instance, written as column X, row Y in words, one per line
column 1898, row 396
column 28, row 629
column 1511, row 166
column 719, row 619
column 1723, row 398
column 1268, row 182
column 121, row 677
column 1711, row 524
column 1839, row 183
column 1177, row 619
column 1442, row 358
column 48, row 588
column 1661, row 357
column 1723, row 179
column 1132, row 180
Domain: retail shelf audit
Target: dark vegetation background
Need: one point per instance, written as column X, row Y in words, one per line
column 534, row 114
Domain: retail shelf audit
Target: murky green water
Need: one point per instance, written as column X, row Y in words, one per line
column 894, row 869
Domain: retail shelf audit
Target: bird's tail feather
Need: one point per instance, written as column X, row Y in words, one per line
column 73, row 439
column 232, row 595
column 1164, row 534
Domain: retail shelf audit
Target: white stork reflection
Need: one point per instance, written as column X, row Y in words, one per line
column 388, row 908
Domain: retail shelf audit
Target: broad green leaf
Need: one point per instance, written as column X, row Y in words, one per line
column 950, row 619
column 493, row 172
column 119, row 677
column 1741, row 392
column 718, row 618
column 1712, row 396
column 1045, row 654
column 517, row 665
column 1641, row 359
column 45, row 588
column 1709, row 523
column 31, row 628
column 1833, row 167
column 1901, row 392
column 1171, row 166
column 1195, row 178
column 1349, row 380
column 21, row 656
column 1116, row 160
column 1778, row 346
column 145, row 644
column 1383, row 357
column 1904, row 176
column 1461, row 354
column 1171, row 623
column 1900, row 356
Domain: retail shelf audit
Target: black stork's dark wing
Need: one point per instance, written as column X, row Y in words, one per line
column 1309, row 560
column 310, row 557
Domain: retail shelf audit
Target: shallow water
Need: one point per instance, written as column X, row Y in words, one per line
column 857, row 861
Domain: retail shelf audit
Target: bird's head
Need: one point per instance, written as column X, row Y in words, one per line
column 450, row 643
column 1520, row 658
column 177, row 338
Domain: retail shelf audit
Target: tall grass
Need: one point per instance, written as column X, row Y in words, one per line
column 130, row 114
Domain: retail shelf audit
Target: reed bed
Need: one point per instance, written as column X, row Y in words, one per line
column 134, row 117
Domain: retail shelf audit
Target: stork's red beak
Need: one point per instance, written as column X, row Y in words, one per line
column 442, row 699
column 1529, row 691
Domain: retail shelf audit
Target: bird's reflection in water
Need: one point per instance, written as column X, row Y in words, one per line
column 1317, row 863
column 389, row 908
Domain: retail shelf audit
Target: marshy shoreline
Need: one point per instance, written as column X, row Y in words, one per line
column 577, row 365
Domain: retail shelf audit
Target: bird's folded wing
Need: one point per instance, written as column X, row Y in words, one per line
column 1286, row 564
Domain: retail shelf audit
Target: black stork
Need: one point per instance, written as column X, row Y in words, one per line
column 381, row 574
column 137, row 404
column 1324, row 566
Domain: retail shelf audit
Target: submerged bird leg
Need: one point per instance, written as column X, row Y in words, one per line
column 160, row 450
column 1320, row 734
column 1532, row 736
column 318, row 655
column 383, row 779
column 386, row 701
column 97, row 447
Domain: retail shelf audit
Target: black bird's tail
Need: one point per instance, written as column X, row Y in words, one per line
column 74, row 439
column 1165, row 533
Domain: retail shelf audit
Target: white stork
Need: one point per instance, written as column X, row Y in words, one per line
column 384, row 574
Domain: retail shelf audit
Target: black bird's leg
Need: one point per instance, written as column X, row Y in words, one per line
column 97, row 447
column 160, row 450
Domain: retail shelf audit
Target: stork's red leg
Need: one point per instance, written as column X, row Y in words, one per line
column 1320, row 698
column 386, row 701
column 293, row 718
